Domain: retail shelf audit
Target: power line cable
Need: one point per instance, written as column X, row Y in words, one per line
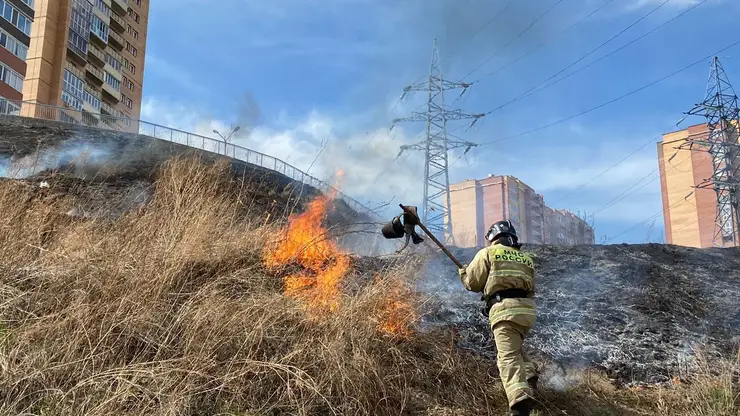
column 621, row 97
column 654, row 216
column 549, row 39
column 540, row 87
column 583, row 185
column 626, row 193
column 525, row 30
column 585, row 56
column 657, row 214
column 493, row 19
column 478, row 32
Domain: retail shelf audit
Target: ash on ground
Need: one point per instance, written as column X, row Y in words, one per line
column 636, row 311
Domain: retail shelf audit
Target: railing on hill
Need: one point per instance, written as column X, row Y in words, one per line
column 111, row 122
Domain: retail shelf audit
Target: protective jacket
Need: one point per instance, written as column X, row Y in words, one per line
column 497, row 268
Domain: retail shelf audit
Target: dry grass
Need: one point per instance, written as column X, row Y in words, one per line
column 169, row 311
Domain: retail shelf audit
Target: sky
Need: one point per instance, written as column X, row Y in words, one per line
column 317, row 83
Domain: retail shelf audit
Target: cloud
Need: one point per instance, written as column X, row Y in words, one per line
column 322, row 144
column 319, row 145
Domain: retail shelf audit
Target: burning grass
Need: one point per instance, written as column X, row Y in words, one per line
column 193, row 306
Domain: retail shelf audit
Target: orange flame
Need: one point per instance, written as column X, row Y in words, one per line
column 396, row 313
column 304, row 241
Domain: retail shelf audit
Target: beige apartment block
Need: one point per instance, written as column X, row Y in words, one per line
column 689, row 213
column 476, row 204
column 88, row 55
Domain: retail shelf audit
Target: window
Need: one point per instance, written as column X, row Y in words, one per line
column 132, row 14
column 29, row 3
column 72, row 101
column 112, row 61
column 72, row 84
column 11, row 78
column 92, row 100
column 18, row 19
column 130, row 48
column 81, row 18
column 129, row 66
column 99, row 28
column 127, row 101
column 13, row 45
column 8, row 107
column 78, row 42
column 131, row 31
column 112, row 81
column 103, row 7
column 128, row 84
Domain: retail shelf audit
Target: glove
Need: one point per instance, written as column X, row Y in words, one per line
column 461, row 272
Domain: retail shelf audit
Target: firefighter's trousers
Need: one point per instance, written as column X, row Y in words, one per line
column 514, row 366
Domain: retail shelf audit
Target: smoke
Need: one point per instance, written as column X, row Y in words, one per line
column 4, row 163
column 78, row 157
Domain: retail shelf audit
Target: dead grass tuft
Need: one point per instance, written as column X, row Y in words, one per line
column 168, row 310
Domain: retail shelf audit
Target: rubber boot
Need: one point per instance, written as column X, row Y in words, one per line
column 522, row 408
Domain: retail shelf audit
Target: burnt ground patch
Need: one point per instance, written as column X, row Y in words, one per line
column 635, row 311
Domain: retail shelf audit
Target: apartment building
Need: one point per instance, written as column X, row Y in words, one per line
column 15, row 38
column 565, row 227
column 476, row 204
column 88, row 56
column 689, row 213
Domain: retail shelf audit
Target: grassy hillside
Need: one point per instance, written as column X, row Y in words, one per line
column 198, row 303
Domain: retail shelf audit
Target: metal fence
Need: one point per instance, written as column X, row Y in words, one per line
column 125, row 125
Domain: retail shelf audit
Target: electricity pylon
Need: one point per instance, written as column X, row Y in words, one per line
column 435, row 207
column 720, row 108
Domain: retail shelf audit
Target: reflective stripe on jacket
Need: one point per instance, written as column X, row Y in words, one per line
column 499, row 267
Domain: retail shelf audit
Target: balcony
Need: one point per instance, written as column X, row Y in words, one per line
column 117, row 23
column 76, row 72
column 119, row 7
column 78, row 55
column 116, row 41
column 111, row 92
column 95, row 39
column 95, row 55
column 101, row 15
column 96, row 75
column 88, row 106
column 105, row 108
column 89, row 109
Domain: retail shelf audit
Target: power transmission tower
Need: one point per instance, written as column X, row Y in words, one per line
column 435, row 206
column 720, row 108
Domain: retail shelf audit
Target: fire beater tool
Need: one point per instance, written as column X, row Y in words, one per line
column 404, row 225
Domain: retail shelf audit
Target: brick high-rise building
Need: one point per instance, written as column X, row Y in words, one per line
column 689, row 213
column 476, row 204
column 15, row 38
column 88, row 55
column 565, row 227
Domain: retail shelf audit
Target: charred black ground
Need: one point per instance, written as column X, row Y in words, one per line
column 635, row 311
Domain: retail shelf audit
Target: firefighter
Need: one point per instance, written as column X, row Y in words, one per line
column 505, row 277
